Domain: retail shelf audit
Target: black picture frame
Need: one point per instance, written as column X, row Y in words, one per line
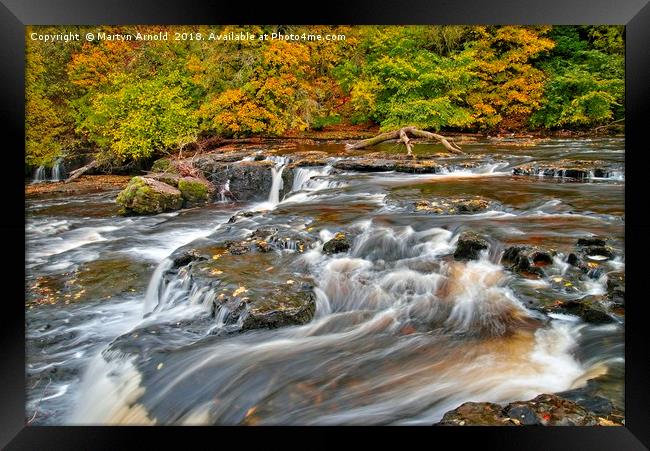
column 16, row 14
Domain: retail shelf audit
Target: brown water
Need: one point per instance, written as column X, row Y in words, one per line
column 402, row 332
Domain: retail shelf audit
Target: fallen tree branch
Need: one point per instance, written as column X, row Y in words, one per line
column 402, row 135
column 78, row 172
column 610, row 124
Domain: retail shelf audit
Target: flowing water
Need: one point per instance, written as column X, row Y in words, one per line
column 57, row 173
column 401, row 334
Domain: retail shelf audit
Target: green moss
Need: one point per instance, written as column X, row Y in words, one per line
column 194, row 191
column 148, row 197
column 164, row 165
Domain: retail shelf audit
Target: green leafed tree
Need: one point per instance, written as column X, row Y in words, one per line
column 135, row 118
column 402, row 77
column 586, row 79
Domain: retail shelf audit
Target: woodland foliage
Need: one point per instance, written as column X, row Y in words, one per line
column 131, row 100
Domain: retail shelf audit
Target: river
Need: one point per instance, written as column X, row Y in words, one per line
column 402, row 332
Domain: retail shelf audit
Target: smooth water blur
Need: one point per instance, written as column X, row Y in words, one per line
column 402, row 333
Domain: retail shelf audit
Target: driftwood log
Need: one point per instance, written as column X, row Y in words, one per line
column 78, row 172
column 402, row 135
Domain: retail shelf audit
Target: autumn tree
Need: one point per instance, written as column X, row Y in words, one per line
column 510, row 87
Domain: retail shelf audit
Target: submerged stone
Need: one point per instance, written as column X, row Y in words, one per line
column 453, row 206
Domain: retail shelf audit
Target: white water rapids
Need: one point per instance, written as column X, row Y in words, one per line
column 402, row 333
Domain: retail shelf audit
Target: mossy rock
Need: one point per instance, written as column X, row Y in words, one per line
column 164, row 165
column 145, row 196
column 194, row 190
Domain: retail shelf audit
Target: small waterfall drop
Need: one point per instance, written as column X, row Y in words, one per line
column 57, row 171
column 224, row 192
column 39, row 176
column 277, row 183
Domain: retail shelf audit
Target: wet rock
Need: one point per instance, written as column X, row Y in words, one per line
column 476, row 414
column 524, row 414
column 339, row 243
column 599, row 253
column 281, row 309
column 591, row 242
column 309, row 158
column 263, row 234
column 588, row 398
column 616, row 288
column 573, row 169
column 148, row 196
column 588, row 308
column 242, row 214
column 461, row 205
column 384, row 165
column 544, row 410
column 511, row 254
column 525, row 260
column 263, row 246
column 195, row 191
column 541, row 258
column 573, row 259
column 552, row 410
column 469, row 246
column 237, row 247
column 184, row 258
column 248, row 180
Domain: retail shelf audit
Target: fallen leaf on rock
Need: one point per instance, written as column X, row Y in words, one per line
column 239, row 291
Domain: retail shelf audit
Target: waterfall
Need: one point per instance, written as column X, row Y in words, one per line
column 39, row 176
column 57, row 171
column 277, row 184
column 303, row 176
column 151, row 297
column 224, row 192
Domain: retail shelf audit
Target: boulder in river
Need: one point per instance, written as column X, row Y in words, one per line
column 526, row 260
column 281, row 308
column 148, row 196
column 246, row 180
column 195, row 191
column 339, row 243
column 588, row 308
column 616, row 288
column 544, row 410
column 469, row 246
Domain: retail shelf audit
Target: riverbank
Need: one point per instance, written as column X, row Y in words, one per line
column 83, row 185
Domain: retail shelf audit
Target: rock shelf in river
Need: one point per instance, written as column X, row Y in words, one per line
column 544, row 410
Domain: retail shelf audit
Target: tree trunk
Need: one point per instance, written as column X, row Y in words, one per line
column 78, row 172
column 402, row 135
